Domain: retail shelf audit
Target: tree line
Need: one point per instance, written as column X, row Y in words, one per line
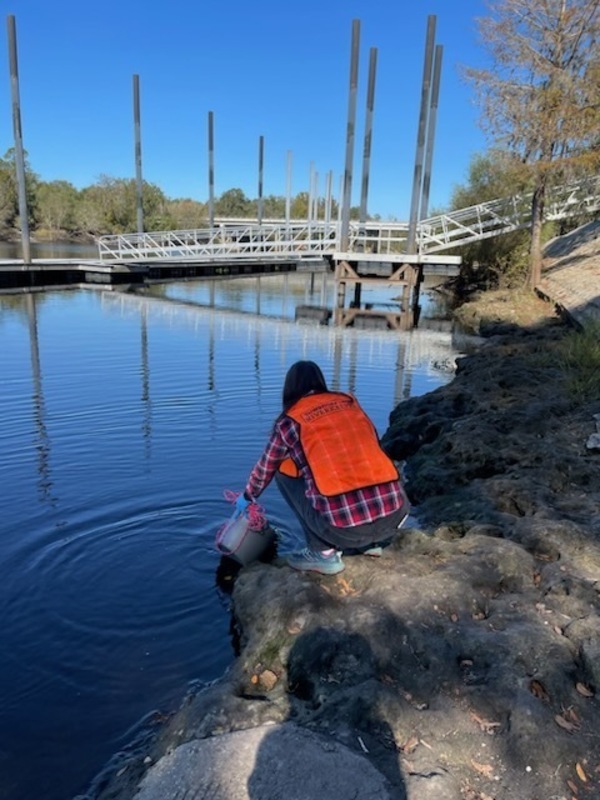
column 58, row 210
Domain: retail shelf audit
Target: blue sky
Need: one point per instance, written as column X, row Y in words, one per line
column 280, row 70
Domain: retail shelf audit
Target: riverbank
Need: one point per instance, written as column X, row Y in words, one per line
column 463, row 664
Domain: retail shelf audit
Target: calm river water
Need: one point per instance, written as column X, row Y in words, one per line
column 122, row 420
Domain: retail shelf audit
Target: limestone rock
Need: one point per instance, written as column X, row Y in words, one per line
column 266, row 763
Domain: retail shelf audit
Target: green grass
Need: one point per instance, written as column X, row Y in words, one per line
column 578, row 356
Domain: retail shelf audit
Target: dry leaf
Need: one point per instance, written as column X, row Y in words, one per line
column 564, row 723
column 537, row 578
column 454, row 617
column 345, row 587
column 267, row 680
column 584, row 690
column 483, row 769
column 387, row 679
column 573, row 715
column 580, row 773
column 572, row 787
column 538, row 690
column 254, row 679
column 557, row 629
column 410, row 745
column 485, row 725
column 468, row 793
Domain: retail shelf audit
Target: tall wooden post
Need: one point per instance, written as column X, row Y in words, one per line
column 368, row 137
column 261, row 155
column 288, row 189
column 309, row 201
column 433, row 108
column 139, row 184
column 328, row 188
column 411, row 240
column 211, row 171
column 18, row 137
column 350, row 132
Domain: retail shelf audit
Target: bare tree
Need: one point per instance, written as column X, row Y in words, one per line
column 540, row 98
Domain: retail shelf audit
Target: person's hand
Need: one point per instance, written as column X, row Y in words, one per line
column 241, row 503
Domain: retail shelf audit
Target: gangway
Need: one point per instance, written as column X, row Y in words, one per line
column 232, row 240
column 482, row 221
column 235, row 240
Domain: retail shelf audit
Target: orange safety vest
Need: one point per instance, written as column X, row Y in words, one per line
column 340, row 444
column 287, row 467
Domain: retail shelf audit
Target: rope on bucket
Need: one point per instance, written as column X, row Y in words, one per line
column 255, row 514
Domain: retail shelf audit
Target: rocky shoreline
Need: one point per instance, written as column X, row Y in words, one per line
column 463, row 664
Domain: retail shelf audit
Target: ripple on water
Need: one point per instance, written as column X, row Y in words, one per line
column 114, row 600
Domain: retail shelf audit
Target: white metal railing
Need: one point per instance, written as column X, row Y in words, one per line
column 483, row 221
column 232, row 240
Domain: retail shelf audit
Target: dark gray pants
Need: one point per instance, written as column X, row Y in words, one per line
column 320, row 534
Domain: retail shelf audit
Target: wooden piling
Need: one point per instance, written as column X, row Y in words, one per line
column 411, row 240
column 139, row 185
column 18, row 137
column 350, row 131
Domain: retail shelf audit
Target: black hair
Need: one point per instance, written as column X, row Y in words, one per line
column 302, row 378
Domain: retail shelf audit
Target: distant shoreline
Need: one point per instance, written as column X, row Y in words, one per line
column 45, row 237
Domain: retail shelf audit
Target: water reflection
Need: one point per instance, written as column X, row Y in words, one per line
column 419, row 346
column 211, row 382
column 413, row 347
column 293, row 295
column 42, row 444
column 211, row 354
column 145, row 374
column 403, row 381
column 11, row 250
column 337, row 365
column 257, row 361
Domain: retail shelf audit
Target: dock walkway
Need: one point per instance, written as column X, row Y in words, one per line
column 571, row 273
